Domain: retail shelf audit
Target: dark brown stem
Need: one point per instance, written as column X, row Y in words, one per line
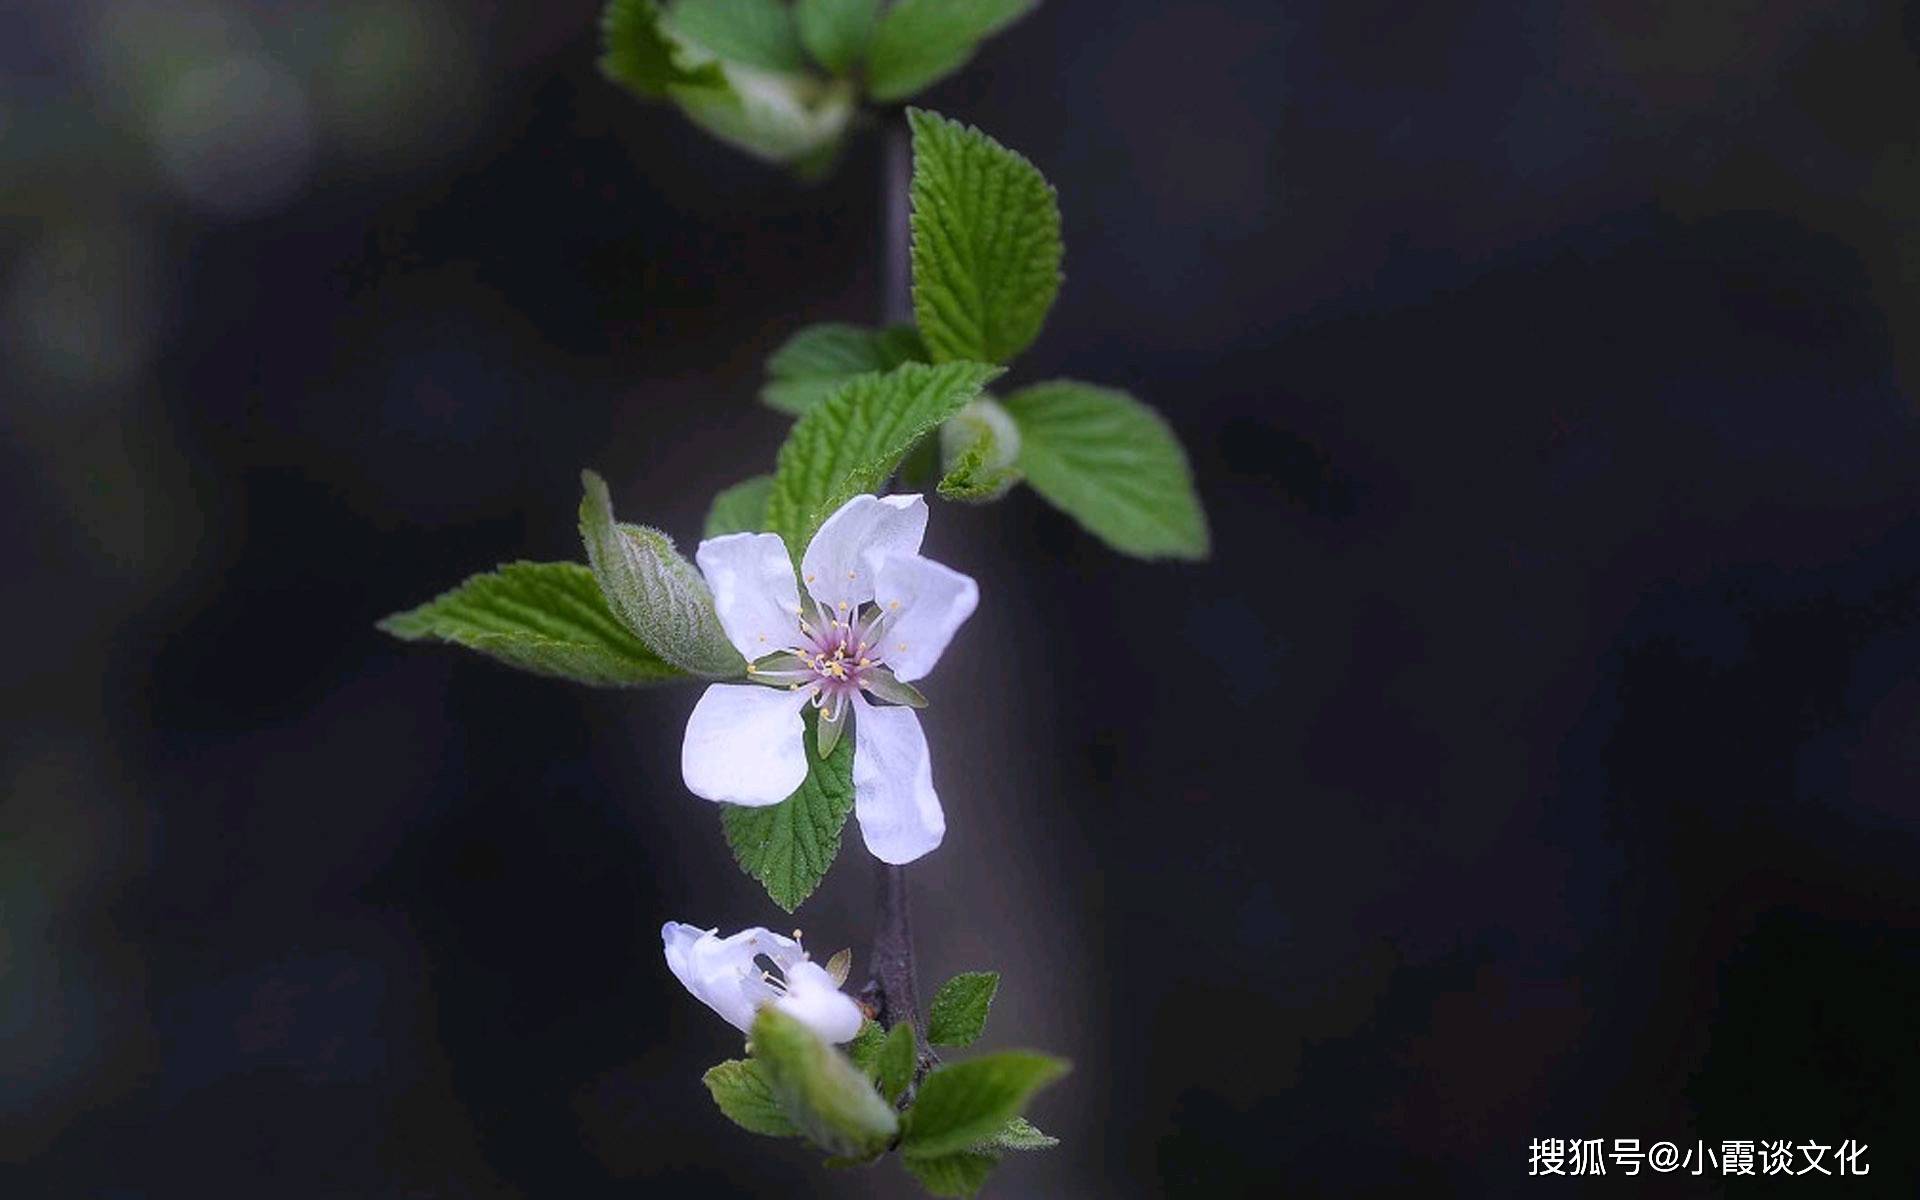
column 892, row 991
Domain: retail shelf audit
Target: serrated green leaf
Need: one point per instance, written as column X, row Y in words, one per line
column 812, row 363
column 658, row 594
column 986, row 243
column 636, row 51
column 548, row 618
column 895, row 1064
column 852, row 441
column 741, row 1090
column 959, row 1010
column 960, row 1174
column 1019, row 1134
column 864, row 1049
column 979, row 446
column 789, row 846
column 758, row 33
column 962, row 1104
column 920, row 42
column 741, row 508
column 1112, row 464
column 836, row 32
column 819, row 1090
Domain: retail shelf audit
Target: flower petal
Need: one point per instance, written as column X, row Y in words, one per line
column 893, row 796
column 745, row 744
column 813, row 1000
column 924, row 603
column 863, row 533
column 721, row 973
column 753, row 592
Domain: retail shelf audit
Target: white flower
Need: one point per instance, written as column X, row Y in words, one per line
column 878, row 617
column 722, row 974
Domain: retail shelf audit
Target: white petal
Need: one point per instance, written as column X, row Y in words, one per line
column 753, row 592
column 932, row 601
column 893, row 796
column 866, row 531
column 745, row 744
column 720, row 972
column 813, row 1000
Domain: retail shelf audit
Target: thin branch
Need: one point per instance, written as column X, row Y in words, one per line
column 892, row 992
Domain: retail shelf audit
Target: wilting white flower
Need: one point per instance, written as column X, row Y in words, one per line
column 878, row 617
column 723, row 974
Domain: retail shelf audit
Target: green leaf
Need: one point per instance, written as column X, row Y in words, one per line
column 895, row 1064
column 836, row 32
column 959, row 1009
column 864, row 1049
column 1019, row 1134
column 978, row 448
column 986, row 243
column 959, row 1174
column 743, row 1093
column 820, row 1091
column 820, row 358
column 1112, row 464
column 965, row 1103
column 548, row 618
column 852, row 441
column 659, row 594
column 789, row 846
column 920, row 42
column 741, row 508
column 758, row 33
column 636, row 51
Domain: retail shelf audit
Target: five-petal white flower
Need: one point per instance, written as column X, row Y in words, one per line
column 723, row 974
column 880, row 617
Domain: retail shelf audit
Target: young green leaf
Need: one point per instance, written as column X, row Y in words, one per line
column 659, row 594
column 1112, row 464
column 818, row 359
column 741, row 508
column 895, row 1064
column 789, row 846
column 852, row 441
column 864, row 1049
column 743, row 1093
column 636, row 51
column 965, row 1103
column 986, row 243
column 959, row 1009
column 978, row 448
column 960, row 1174
column 836, row 32
column 757, row 33
column 819, row 1090
column 920, row 42
column 548, row 618
column 1019, row 1134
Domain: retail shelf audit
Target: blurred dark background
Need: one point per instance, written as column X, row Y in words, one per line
column 1538, row 757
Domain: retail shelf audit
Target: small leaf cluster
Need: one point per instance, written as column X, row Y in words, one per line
column 986, row 252
column 782, row 81
column 950, row 1124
